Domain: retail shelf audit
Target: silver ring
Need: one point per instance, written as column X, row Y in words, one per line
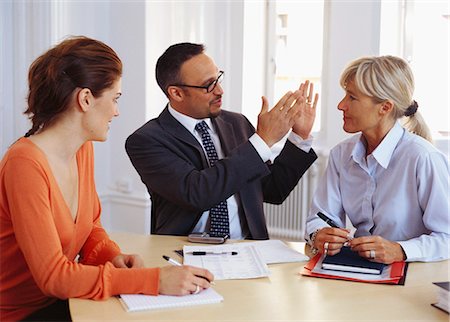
column 325, row 246
column 372, row 253
column 197, row 289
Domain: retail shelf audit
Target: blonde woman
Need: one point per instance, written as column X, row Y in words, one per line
column 389, row 180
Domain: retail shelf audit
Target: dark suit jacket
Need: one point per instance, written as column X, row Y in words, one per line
column 174, row 168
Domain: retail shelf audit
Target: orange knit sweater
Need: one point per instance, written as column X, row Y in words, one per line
column 39, row 240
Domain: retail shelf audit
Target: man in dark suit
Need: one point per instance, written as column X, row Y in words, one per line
column 188, row 187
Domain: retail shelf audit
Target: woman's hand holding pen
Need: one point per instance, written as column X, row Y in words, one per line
column 173, row 280
column 183, row 280
column 330, row 240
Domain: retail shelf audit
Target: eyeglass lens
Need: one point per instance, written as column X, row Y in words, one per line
column 213, row 85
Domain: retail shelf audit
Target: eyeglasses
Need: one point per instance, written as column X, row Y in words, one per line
column 210, row 87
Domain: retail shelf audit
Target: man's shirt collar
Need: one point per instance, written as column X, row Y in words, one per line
column 188, row 122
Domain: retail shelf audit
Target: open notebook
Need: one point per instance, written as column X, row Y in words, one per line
column 139, row 302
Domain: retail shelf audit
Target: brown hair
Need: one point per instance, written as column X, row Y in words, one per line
column 77, row 62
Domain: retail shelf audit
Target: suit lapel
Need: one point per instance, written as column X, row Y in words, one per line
column 176, row 129
column 226, row 134
column 224, row 129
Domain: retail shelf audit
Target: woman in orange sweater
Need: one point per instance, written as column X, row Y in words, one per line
column 49, row 208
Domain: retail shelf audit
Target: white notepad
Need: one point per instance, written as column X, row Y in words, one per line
column 139, row 302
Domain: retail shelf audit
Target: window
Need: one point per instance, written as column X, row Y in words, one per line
column 294, row 43
column 418, row 31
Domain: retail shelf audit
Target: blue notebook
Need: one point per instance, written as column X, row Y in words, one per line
column 349, row 261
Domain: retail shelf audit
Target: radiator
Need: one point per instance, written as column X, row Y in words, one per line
column 287, row 221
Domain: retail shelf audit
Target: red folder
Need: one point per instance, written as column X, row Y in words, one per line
column 397, row 273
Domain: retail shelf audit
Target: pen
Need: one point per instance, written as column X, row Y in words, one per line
column 199, row 253
column 332, row 224
column 171, row 261
column 327, row 220
column 175, row 263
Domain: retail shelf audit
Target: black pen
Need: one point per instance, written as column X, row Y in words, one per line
column 175, row 263
column 332, row 224
column 200, row 253
column 327, row 220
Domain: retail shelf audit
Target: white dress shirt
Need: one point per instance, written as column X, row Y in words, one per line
column 236, row 231
column 399, row 192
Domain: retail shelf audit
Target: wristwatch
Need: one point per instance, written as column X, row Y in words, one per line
column 312, row 240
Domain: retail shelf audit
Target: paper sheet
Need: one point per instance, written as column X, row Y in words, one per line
column 248, row 262
column 275, row 251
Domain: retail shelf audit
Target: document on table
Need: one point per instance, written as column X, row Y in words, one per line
column 246, row 263
column 276, row 251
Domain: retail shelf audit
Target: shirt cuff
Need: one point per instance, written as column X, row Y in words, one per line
column 298, row 141
column 261, row 147
column 312, row 226
column 412, row 251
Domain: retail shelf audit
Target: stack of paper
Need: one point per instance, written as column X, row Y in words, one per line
column 250, row 259
column 442, row 296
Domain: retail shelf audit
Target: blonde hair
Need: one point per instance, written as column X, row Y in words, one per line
column 388, row 78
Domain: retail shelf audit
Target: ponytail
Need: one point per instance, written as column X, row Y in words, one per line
column 414, row 122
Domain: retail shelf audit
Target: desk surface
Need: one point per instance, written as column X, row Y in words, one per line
column 285, row 295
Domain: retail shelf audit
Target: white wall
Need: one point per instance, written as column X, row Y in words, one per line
column 140, row 31
column 17, row 52
column 351, row 30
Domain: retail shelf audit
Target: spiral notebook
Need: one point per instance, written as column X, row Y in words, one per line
column 139, row 302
